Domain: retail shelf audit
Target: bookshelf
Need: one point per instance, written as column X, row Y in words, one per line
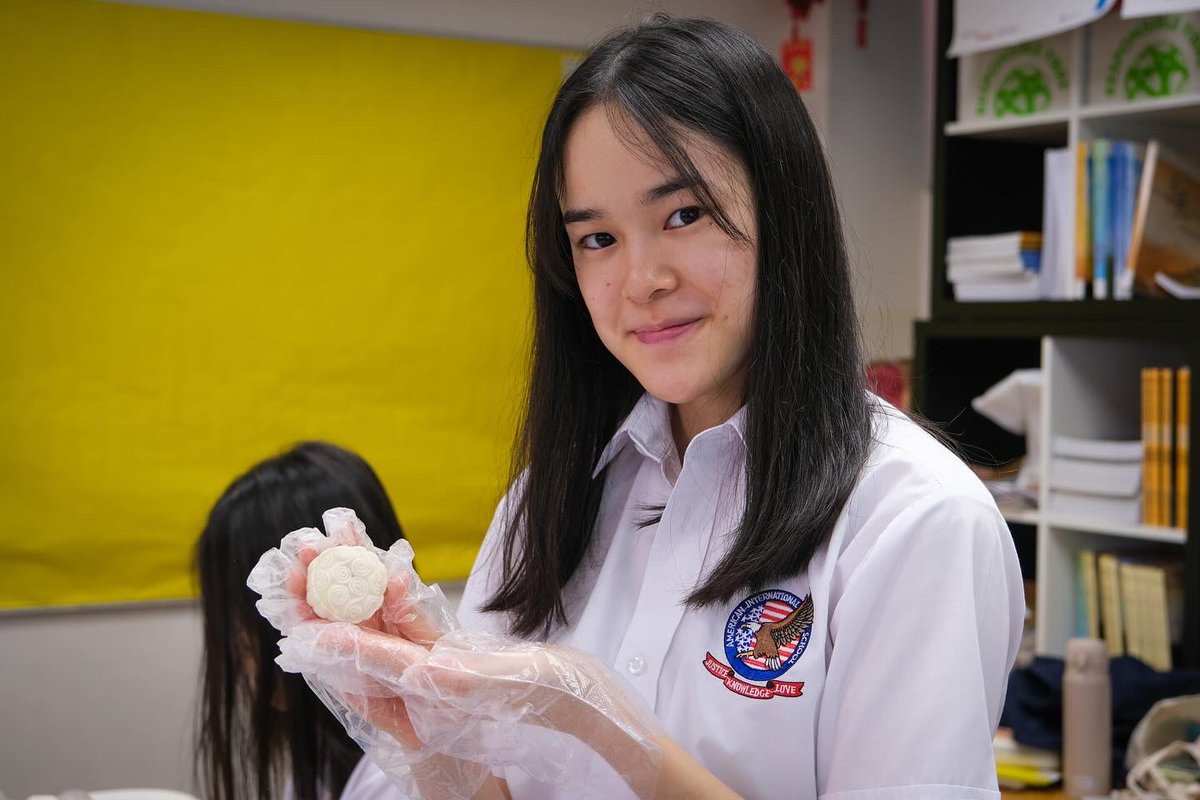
column 988, row 179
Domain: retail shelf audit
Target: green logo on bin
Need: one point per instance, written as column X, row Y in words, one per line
column 1032, row 72
column 1023, row 91
column 1160, row 68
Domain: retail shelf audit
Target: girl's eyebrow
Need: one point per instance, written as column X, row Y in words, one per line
column 579, row 215
column 653, row 195
column 667, row 188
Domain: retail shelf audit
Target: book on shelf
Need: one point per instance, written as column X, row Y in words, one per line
column 1000, row 244
column 995, row 268
column 1098, row 195
column 1083, row 222
column 1088, row 622
column 1096, row 449
column 1135, row 208
column 1166, row 399
column 1019, row 766
column 1095, row 479
column 1165, row 234
column 968, row 268
column 1108, row 478
column 1164, row 497
column 1127, row 167
column 997, row 291
column 1151, row 607
column 1183, row 400
column 1150, row 445
column 1086, row 506
column 1108, row 579
column 1133, row 601
column 1057, row 272
column 1109, row 185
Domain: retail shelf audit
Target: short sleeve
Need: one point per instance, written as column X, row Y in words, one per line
column 923, row 633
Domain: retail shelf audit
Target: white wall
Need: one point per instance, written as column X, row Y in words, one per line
column 103, row 698
column 97, row 699
column 880, row 148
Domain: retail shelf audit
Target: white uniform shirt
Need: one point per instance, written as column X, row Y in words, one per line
column 894, row 690
column 367, row 782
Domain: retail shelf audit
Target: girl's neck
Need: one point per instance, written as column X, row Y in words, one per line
column 690, row 419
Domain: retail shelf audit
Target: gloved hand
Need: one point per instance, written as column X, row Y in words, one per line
column 472, row 699
column 412, row 612
column 548, row 709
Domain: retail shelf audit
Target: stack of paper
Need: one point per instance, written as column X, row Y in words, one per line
column 995, row 268
column 1096, row 479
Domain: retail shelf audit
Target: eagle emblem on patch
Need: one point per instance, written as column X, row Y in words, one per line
column 764, row 637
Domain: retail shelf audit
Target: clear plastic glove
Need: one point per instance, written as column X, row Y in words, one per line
column 472, row 699
column 547, row 709
column 410, row 609
column 412, row 613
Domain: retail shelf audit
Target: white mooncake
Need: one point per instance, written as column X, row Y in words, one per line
column 345, row 584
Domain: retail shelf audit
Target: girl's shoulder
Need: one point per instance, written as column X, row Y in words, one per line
column 912, row 485
column 909, row 458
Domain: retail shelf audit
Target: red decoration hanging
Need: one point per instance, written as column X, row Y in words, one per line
column 862, row 24
column 796, row 54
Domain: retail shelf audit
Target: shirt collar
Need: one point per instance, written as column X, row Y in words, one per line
column 648, row 428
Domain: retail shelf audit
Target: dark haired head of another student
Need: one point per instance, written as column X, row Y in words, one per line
column 260, row 729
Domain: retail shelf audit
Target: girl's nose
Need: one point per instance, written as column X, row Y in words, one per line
column 648, row 275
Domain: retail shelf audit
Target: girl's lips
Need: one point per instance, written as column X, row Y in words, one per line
column 666, row 334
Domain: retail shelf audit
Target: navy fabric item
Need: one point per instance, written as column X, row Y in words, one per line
column 1033, row 706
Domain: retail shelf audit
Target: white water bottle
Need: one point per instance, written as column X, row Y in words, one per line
column 1087, row 719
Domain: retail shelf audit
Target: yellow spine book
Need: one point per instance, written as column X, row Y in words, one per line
column 1132, row 610
column 1083, row 221
column 1183, row 412
column 1157, row 616
column 1166, row 433
column 1149, row 460
column 1091, row 592
column 1110, row 603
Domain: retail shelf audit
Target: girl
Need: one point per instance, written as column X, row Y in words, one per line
column 813, row 595
column 262, row 732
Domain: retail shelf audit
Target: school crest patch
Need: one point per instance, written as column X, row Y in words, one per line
column 765, row 635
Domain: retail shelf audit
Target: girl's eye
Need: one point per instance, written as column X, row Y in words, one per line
column 597, row 241
column 685, row 216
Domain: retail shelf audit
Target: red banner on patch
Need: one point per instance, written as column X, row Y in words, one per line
column 738, row 686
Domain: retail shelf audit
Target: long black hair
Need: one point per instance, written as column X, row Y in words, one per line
column 808, row 420
column 257, row 725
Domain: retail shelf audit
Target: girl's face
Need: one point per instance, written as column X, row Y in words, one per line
column 670, row 294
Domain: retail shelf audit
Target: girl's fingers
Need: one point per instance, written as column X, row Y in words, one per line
column 384, row 656
column 387, row 714
column 411, row 609
column 415, row 611
column 306, row 553
column 345, row 528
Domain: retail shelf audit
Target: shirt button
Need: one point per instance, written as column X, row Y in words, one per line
column 636, row 665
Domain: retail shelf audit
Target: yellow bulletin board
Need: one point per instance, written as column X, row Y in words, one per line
column 220, row 236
